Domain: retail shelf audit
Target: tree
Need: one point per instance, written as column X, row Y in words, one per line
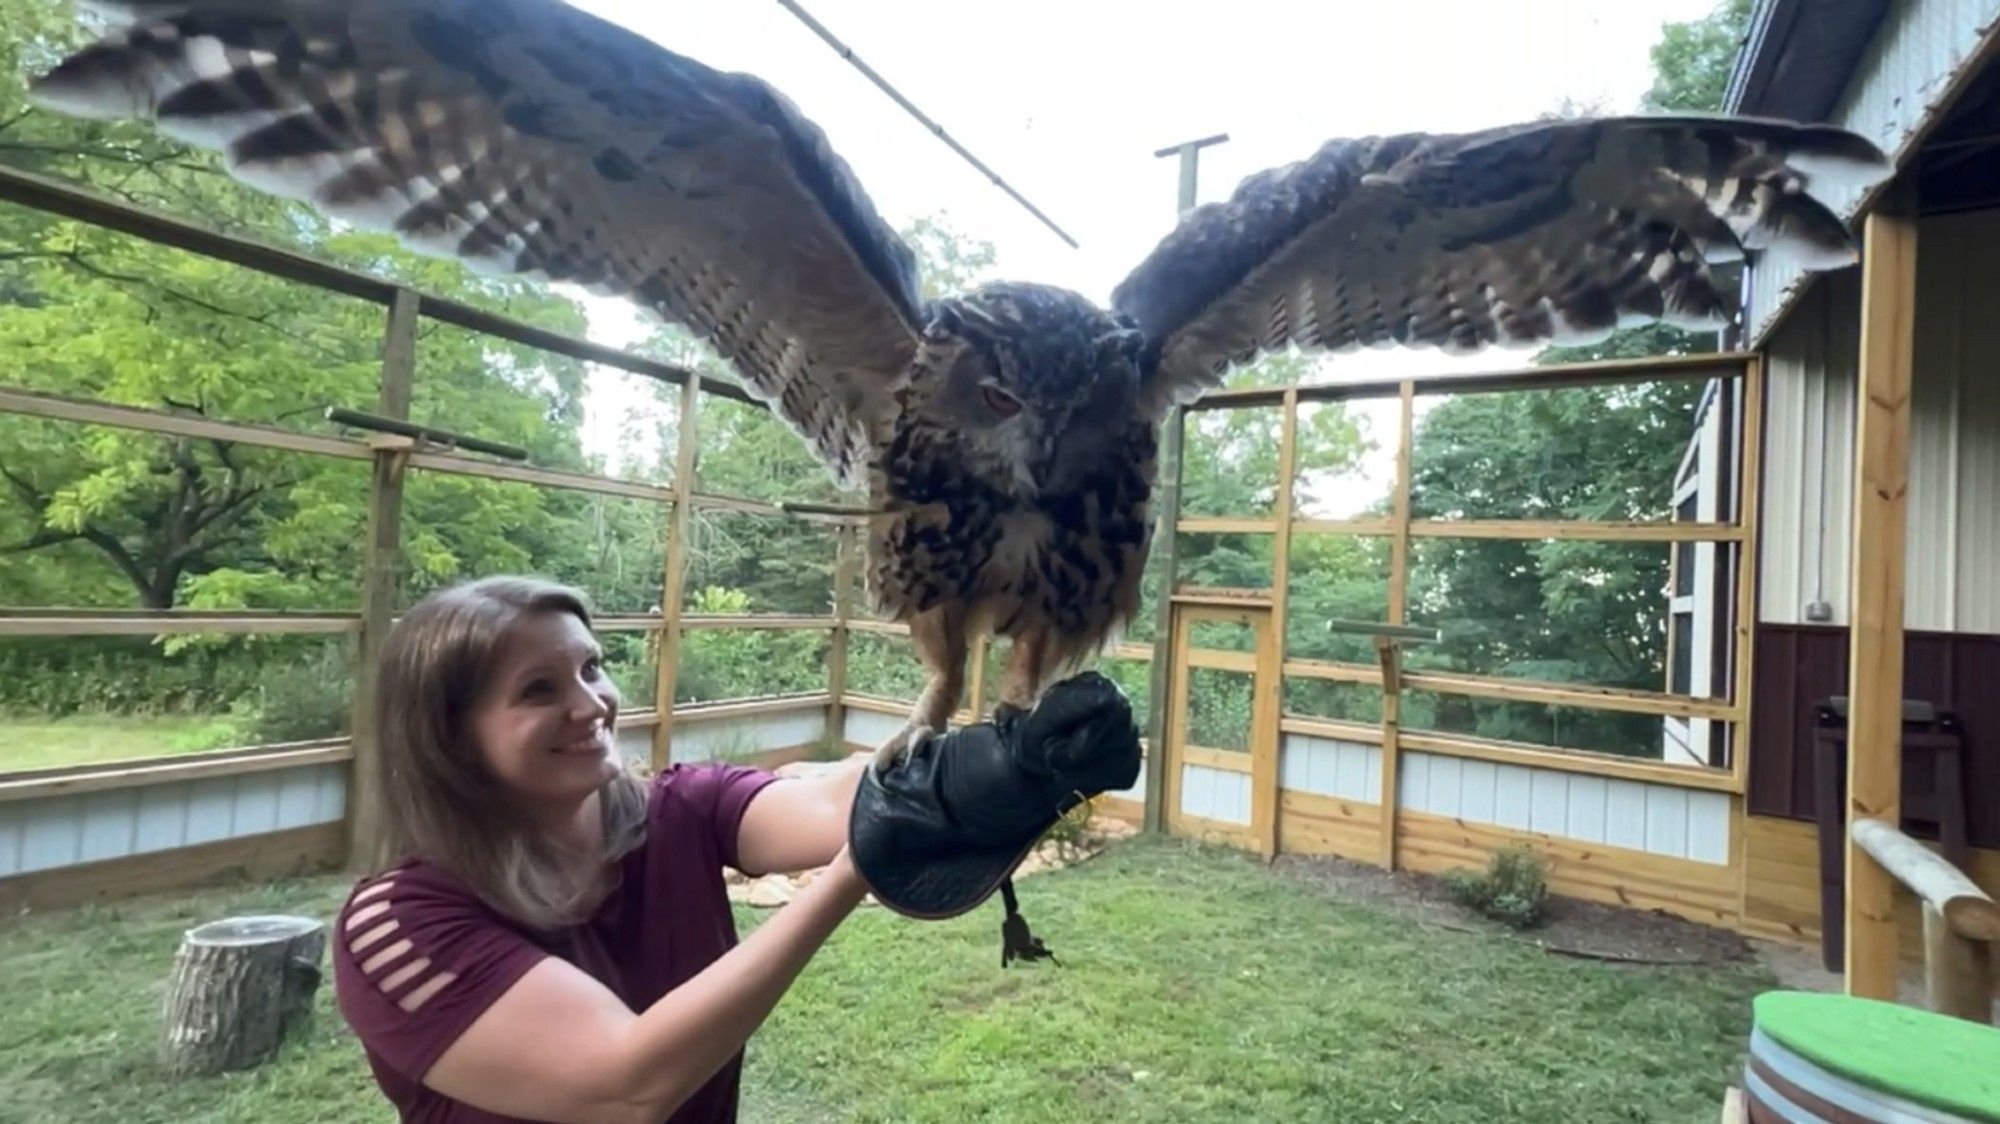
column 105, row 517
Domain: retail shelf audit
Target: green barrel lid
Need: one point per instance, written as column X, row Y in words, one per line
column 1935, row 1060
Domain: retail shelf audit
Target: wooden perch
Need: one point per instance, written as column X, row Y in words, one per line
column 1963, row 905
column 239, row 987
column 1960, row 920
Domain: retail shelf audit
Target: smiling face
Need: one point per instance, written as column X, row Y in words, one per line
column 543, row 721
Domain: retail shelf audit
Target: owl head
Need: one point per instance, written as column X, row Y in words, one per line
column 1035, row 378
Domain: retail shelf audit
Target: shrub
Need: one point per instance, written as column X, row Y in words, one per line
column 1512, row 890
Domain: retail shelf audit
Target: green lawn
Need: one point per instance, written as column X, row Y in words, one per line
column 31, row 742
column 1197, row 985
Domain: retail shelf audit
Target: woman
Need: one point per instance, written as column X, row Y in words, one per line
column 555, row 942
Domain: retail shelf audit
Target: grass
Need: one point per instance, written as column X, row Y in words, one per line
column 1197, row 986
column 32, row 742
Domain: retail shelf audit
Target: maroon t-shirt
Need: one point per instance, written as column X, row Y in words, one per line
column 417, row 957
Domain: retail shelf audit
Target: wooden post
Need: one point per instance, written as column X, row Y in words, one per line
column 1388, row 654
column 1158, row 683
column 1264, row 802
column 1958, row 971
column 673, row 589
column 1875, row 662
column 847, row 546
column 381, row 583
column 1750, row 484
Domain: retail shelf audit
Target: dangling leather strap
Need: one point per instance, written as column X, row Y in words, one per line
column 1015, row 939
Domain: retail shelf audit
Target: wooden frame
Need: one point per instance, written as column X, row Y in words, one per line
column 1178, row 749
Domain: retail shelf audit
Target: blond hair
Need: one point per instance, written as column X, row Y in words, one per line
column 441, row 802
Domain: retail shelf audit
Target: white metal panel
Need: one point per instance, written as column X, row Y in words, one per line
column 1625, row 814
column 211, row 809
column 1446, row 785
column 162, row 818
column 1295, row 760
column 1239, row 788
column 1513, row 794
column 698, row 739
column 1589, row 807
column 51, row 831
column 1638, row 815
column 298, row 798
column 1479, row 783
column 866, row 727
column 1917, row 48
column 1215, row 794
column 1666, row 820
column 1549, row 807
column 1708, row 827
column 331, row 794
column 1413, row 781
column 254, row 809
column 110, row 820
column 1330, row 767
column 1952, row 533
column 58, row 831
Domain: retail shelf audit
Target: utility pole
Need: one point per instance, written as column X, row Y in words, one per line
column 1189, row 152
column 1159, row 697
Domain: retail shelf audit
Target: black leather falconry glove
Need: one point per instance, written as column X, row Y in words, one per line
column 936, row 835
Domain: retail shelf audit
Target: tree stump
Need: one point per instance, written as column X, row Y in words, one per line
column 239, row 986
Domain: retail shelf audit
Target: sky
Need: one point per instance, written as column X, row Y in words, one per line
column 1067, row 100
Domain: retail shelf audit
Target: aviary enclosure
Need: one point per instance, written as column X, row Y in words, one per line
column 1348, row 646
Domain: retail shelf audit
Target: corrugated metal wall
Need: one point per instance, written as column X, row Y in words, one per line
column 1918, row 48
column 1953, row 533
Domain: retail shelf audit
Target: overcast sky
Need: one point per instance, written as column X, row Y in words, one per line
column 1068, row 99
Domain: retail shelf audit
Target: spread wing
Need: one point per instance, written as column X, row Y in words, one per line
column 1556, row 231
column 528, row 137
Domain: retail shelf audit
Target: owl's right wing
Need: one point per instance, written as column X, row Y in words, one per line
column 528, row 137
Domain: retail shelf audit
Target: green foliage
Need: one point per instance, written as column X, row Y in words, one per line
column 1692, row 61
column 1512, row 890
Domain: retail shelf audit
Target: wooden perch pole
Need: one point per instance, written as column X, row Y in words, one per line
column 1961, row 922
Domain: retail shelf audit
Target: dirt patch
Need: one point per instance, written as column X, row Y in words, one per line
column 1056, row 851
column 1573, row 928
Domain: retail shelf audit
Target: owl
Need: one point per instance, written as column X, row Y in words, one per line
column 1005, row 437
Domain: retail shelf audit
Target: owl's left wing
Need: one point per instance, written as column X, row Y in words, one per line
column 1554, row 231
column 529, row 137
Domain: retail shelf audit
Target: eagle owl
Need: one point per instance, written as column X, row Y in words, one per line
column 1007, row 435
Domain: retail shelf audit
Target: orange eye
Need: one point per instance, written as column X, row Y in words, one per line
column 999, row 401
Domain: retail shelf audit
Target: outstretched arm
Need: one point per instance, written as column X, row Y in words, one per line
column 798, row 823
column 558, row 1045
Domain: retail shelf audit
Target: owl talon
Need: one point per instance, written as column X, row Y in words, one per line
column 899, row 748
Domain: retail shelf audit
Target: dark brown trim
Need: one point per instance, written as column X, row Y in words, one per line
column 1798, row 666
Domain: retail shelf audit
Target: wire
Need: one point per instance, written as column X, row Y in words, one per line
column 846, row 52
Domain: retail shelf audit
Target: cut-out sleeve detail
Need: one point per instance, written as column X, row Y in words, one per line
column 416, row 960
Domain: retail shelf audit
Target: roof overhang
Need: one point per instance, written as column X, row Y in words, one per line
column 1799, row 55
